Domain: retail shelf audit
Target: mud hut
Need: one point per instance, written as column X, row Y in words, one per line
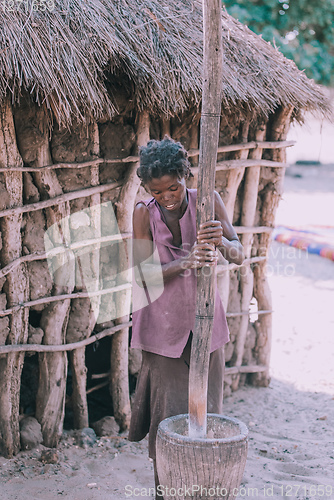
column 82, row 85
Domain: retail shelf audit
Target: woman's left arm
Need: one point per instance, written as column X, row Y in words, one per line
column 221, row 233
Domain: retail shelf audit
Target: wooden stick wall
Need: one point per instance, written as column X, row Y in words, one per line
column 245, row 167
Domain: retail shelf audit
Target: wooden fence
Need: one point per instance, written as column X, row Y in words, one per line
column 246, row 169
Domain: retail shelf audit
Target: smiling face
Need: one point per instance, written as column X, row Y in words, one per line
column 169, row 191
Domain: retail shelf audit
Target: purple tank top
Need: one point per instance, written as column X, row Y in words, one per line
column 164, row 316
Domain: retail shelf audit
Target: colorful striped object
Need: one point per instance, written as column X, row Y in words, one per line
column 313, row 239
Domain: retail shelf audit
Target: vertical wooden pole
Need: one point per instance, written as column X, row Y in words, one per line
column 87, row 264
column 16, row 287
column 165, row 127
column 32, row 122
column 250, row 193
column 279, row 129
column 233, row 182
column 206, row 282
column 119, row 373
column 235, row 175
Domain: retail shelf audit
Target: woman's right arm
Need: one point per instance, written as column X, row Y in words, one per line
column 199, row 256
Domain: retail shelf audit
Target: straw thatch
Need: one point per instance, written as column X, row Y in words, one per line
column 73, row 56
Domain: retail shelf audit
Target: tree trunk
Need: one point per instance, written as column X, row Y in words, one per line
column 235, row 175
column 33, row 129
column 16, row 287
column 233, row 182
column 87, row 272
column 119, row 375
column 50, row 400
column 206, row 284
column 165, row 127
column 279, row 130
column 251, row 186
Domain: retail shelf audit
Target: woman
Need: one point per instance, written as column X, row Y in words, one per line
column 167, row 255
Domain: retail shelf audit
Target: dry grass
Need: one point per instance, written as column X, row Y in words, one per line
column 73, row 56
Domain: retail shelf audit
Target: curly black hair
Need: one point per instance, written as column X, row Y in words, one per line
column 159, row 158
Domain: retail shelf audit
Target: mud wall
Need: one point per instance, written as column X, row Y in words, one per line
column 97, row 156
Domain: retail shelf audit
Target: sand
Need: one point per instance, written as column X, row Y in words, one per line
column 291, row 435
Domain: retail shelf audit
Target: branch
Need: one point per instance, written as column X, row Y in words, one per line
column 73, row 195
column 43, row 255
column 4, row 349
column 134, row 159
column 56, row 298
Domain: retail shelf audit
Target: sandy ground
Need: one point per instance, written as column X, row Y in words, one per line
column 291, row 435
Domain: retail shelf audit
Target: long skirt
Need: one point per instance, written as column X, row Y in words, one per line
column 162, row 391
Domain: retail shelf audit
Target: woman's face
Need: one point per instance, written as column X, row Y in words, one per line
column 169, row 191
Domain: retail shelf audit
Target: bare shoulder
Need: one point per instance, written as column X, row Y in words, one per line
column 141, row 222
column 140, row 210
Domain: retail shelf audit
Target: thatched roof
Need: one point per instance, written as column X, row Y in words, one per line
column 71, row 58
